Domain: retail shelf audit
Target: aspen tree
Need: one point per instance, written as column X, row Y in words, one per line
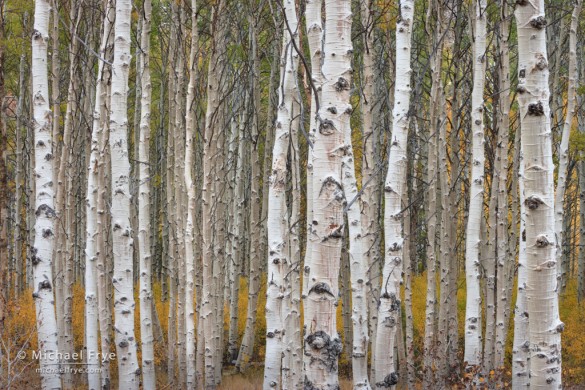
column 92, row 248
column 370, row 176
column 445, row 290
column 521, row 343
column 210, row 200
column 394, row 190
column 564, row 147
column 247, row 344
column 431, row 210
column 504, row 264
column 322, row 342
column 144, row 247
column 293, row 378
column 235, row 244
column 358, row 267
column 277, row 224
column 104, row 242
column 314, row 26
column 190, row 346
column 4, row 207
column 129, row 374
column 541, row 281
column 20, row 187
column 473, row 238
column 64, row 205
column 42, row 250
column 180, row 198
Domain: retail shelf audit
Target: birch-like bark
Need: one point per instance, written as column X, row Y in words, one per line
column 92, row 249
column 236, row 241
column 521, row 343
column 64, row 207
column 541, row 284
column 190, row 341
column 314, row 25
column 19, row 184
column 128, row 370
column 431, row 210
column 322, row 342
column 211, row 160
column 394, row 190
column 292, row 346
column 277, row 224
column 358, row 267
column 369, row 106
column 564, row 147
column 247, row 344
column 104, row 241
column 42, row 250
column 143, row 190
column 504, row 265
column 472, row 264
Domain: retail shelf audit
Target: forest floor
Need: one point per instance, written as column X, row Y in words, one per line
column 20, row 335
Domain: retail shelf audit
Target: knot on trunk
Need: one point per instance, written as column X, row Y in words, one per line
column 538, row 22
column 326, row 127
column 536, row 109
column 541, row 62
column 341, row 84
column 533, row 202
column 389, row 381
column 45, row 284
column 44, row 208
column 321, row 288
column 328, row 348
column 542, row 241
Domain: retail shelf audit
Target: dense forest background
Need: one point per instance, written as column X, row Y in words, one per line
column 204, row 130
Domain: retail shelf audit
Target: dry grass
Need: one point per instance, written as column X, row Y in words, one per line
column 252, row 380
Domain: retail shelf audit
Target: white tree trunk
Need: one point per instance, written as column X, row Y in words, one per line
column 394, row 190
column 293, row 378
column 431, row 209
column 472, row 264
column 541, row 281
column 564, row 147
column 128, row 371
column 504, row 263
column 358, row 269
column 521, row 344
column 315, row 39
column 322, row 342
column 190, row 341
column 44, row 203
column 277, row 223
column 247, row 344
column 144, row 247
column 92, row 249
column 369, row 105
column 211, row 169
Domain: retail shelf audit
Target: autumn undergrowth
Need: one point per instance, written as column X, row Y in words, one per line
column 19, row 335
